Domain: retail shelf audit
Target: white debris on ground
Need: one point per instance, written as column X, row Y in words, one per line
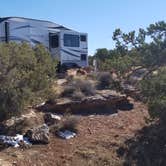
column 66, row 134
column 56, row 117
column 115, row 114
column 41, row 104
column 14, row 141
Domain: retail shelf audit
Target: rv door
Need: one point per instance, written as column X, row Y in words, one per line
column 54, row 45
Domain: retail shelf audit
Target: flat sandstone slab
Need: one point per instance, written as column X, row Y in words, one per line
column 104, row 99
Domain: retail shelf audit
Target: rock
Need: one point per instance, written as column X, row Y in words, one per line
column 11, row 122
column 51, row 119
column 131, row 91
column 39, row 134
column 137, row 75
column 22, row 123
column 103, row 99
column 12, row 126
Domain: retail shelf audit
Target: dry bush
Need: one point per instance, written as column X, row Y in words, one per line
column 78, row 95
column 85, row 87
column 104, row 80
column 70, row 123
column 69, row 78
column 55, row 128
column 78, row 88
column 68, row 91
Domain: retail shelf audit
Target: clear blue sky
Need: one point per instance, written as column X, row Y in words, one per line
column 98, row 18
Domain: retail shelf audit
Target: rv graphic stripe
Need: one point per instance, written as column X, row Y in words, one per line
column 21, row 27
column 74, row 50
column 35, row 41
column 59, row 27
column 78, row 50
column 14, row 38
column 67, row 52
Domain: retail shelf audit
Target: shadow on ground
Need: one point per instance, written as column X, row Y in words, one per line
column 85, row 110
column 148, row 148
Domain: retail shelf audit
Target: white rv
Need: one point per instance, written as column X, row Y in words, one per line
column 69, row 46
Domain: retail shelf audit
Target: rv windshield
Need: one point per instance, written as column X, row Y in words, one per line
column 71, row 40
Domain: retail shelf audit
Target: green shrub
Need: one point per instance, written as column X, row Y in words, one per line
column 154, row 90
column 26, row 76
column 120, row 64
column 157, row 108
column 155, row 85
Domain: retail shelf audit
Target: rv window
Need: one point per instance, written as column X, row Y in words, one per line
column 71, row 40
column 54, row 41
column 83, row 57
column 83, row 38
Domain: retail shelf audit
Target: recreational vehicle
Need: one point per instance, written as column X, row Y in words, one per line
column 68, row 46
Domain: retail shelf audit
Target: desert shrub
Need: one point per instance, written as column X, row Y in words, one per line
column 69, row 78
column 92, row 76
column 78, row 86
column 70, row 123
column 116, row 85
column 26, row 76
column 154, row 85
column 154, row 90
column 104, row 80
column 77, row 95
column 85, row 87
column 157, row 108
column 121, row 64
column 68, row 91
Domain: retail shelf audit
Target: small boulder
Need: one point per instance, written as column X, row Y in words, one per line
column 39, row 134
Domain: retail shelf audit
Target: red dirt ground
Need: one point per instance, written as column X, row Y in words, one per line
column 98, row 138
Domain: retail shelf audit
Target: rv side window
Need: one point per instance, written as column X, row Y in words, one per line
column 83, row 57
column 83, row 38
column 54, row 41
column 71, row 40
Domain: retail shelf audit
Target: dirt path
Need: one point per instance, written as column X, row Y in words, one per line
column 95, row 145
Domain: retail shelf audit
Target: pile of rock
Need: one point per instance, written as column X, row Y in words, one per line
column 35, row 135
column 39, row 134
